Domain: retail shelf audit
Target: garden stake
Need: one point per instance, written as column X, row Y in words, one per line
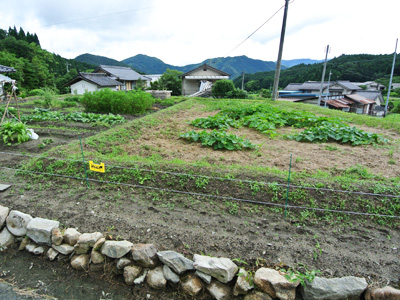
column 288, row 183
column 84, row 164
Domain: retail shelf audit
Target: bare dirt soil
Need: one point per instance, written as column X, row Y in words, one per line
column 198, row 225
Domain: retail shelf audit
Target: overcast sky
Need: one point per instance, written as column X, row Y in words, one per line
column 181, row 32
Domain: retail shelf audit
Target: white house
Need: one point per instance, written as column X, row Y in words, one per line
column 90, row 82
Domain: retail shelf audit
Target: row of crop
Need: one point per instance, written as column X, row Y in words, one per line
column 229, row 189
column 39, row 114
column 266, row 119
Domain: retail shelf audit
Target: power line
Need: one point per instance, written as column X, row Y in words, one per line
column 256, row 30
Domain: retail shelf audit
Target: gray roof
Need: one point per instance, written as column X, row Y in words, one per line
column 100, row 79
column 121, row 73
column 313, row 85
column 370, row 94
column 293, row 87
column 4, row 69
column 349, row 85
column 205, row 66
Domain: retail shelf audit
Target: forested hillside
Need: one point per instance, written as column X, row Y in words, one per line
column 36, row 68
column 99, row 60
column 355, row 68
column 231, row 65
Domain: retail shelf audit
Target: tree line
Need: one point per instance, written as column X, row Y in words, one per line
column 36, row 68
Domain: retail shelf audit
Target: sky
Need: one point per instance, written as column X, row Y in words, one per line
column 181, row 32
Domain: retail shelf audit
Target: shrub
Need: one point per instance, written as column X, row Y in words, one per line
column 106, row 101
column 265, row 93
column 222, row 87
column 35, row 92
column 236, row 94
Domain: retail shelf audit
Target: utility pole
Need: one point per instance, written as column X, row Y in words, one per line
column 279, row 61
column 242, row 80
column 329, row 81
column 323, row 77
column 391, row 79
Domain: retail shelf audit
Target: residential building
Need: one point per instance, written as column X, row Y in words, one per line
column 90, row 82
column 200, row 80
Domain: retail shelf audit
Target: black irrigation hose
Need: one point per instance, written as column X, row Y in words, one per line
column 208, row 195
column 221, row 178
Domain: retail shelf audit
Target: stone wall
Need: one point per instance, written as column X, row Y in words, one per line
column 160, row 94
column 141, row 264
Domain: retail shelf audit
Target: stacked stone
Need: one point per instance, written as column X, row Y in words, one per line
column 140, row 263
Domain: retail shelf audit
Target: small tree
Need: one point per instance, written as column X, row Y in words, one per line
column 222, row 87
column 170, row 81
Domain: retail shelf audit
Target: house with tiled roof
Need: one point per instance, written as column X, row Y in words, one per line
column 90, row 82
column 128, row 77
column 343, row 95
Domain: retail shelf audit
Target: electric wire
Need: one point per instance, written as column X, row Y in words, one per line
column 207, row 195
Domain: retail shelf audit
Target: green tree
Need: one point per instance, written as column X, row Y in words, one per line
column 171, row 81
column 222, row 87
column 252, row 85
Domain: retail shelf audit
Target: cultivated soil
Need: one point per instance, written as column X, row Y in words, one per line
column 195, row 224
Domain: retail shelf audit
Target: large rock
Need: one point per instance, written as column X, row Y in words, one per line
column 386, row 293
column 203, row 276
column 334, row 288
column 80, row 262
column 257, row 295
column 145, row 255
column 56, row 237
column 51, row 254
column 170, row 275
column 274, row 284
column 192, row 286
column 6, row 239
column 17, row 222
column 155, row 278
column 3, row 215
column 39, row 230
column 175, row 261
column 71, row 236
column 123, row 262
column 96, row 257
column 64, row 249
column 116, row 249
column 243, row 283
column 86, row 241
column 131, row 273
column 222, row 269
column 219, row 291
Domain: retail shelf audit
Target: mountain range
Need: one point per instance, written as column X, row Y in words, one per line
column 232, row 65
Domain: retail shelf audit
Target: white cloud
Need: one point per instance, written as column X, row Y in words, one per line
column 181, row 32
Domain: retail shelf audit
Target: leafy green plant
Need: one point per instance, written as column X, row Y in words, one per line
column 295, row 275
column 218, row 140
column 108, row 101
column 14, row 131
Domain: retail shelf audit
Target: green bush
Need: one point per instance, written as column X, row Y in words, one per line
column 236, row 94
column 121, row 102
column 265, row 93
column 35, row 92
column 222, row 87
column 72, row 99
